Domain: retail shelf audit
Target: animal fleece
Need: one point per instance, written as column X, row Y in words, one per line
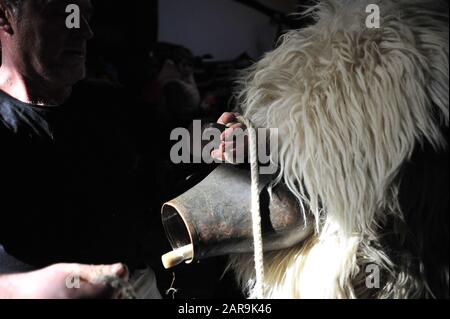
column 363, row 121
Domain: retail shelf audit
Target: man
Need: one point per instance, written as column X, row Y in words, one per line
column 51, row 283
column 68, row 172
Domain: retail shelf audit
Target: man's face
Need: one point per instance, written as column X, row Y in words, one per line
column 46, row 48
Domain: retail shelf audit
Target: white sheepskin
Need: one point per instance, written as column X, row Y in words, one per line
column 351, row 104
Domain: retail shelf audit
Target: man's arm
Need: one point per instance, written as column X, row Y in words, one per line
column 61, row 281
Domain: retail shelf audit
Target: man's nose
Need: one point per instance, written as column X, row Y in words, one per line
column 85, row 29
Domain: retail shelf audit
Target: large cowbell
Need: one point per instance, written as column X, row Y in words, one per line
column 214, row 217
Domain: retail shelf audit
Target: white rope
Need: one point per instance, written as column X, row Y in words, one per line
column 255, row 207
column 172, row 290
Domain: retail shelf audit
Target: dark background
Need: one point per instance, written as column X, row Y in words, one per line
column 127, row 51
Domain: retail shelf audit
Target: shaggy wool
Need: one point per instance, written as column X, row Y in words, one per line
column 363, row 122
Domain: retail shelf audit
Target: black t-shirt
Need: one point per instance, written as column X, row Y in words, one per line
column 68, row 181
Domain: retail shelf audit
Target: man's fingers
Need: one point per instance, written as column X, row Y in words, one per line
column 228, row 148
column 94, row 273
column 229, row 152
column 124, row 273
column 218, row 154
column 227, row 118
column 94, row 283
column 89, row 290
column 235, row 129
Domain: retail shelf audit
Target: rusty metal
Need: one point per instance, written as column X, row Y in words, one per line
column 215, row 216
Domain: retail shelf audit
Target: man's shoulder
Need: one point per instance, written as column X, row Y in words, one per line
column 8, row 114
column 17, row 117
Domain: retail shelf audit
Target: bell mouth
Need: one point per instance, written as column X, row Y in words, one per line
column 176, row 228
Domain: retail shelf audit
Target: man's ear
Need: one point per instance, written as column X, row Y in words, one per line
column 5, row 20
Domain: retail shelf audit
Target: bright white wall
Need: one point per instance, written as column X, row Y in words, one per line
column 222, row 28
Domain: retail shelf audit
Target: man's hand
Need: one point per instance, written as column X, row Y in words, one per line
column 62, row 281
column 228, row 147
